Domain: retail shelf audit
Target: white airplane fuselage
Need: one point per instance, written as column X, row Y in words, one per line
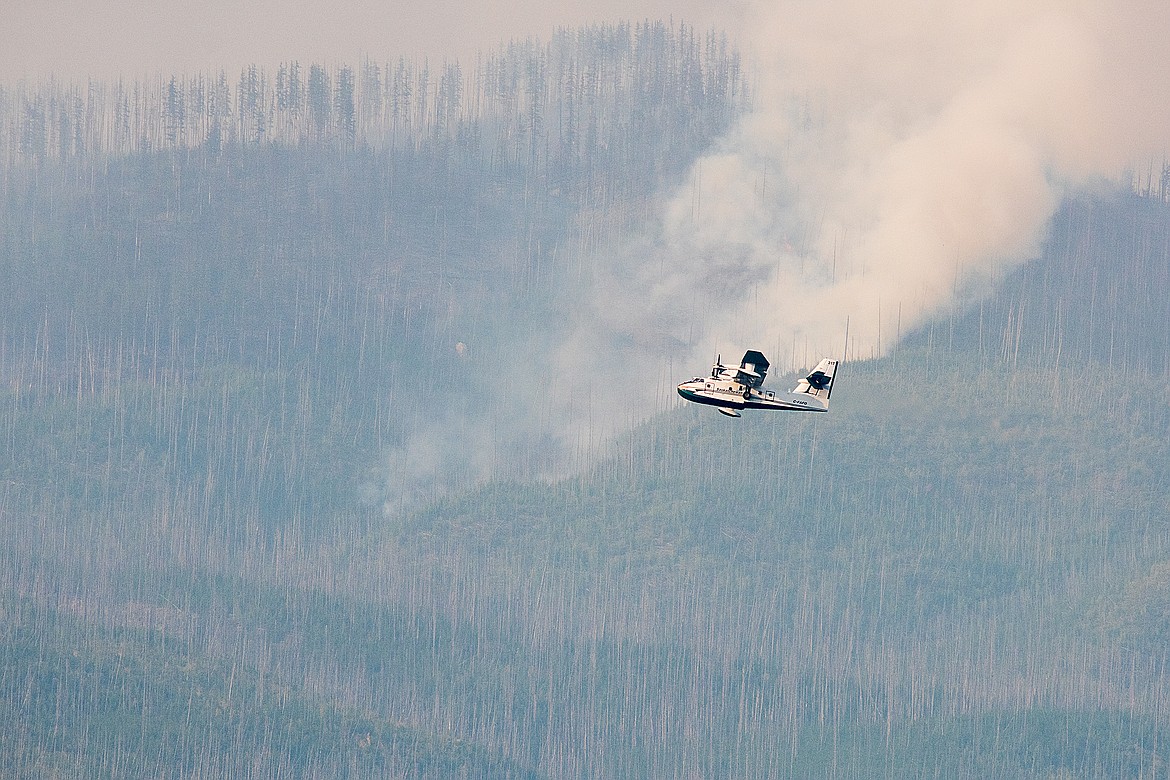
column 728, row 394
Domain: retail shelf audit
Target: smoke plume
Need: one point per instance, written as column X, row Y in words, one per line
column 900, row 157
column 902, row 154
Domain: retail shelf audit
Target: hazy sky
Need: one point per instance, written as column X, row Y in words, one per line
column 77, row 38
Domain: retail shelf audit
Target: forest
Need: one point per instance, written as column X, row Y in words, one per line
column 268, row 507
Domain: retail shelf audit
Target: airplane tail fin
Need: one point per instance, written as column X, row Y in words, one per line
column 819, row 382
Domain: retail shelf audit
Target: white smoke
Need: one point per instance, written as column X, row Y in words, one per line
column 903, row 151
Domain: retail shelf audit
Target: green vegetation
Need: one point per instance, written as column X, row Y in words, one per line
column 223, row 332
column 134, row 702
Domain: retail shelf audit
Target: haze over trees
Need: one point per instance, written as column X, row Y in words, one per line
column 229, row 303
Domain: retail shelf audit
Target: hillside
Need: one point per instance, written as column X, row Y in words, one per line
column 225, row 551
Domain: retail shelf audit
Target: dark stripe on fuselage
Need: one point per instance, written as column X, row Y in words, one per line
column 782, row 407
column 702, row 399
column 775, row 406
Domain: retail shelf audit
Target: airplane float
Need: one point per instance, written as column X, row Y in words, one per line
column 731, row 389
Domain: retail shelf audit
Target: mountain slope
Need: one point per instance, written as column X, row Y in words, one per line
column 211, row 348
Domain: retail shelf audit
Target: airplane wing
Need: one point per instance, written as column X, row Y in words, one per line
column 752, row 369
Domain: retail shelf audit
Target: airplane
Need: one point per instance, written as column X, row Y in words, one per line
column 731, row 389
